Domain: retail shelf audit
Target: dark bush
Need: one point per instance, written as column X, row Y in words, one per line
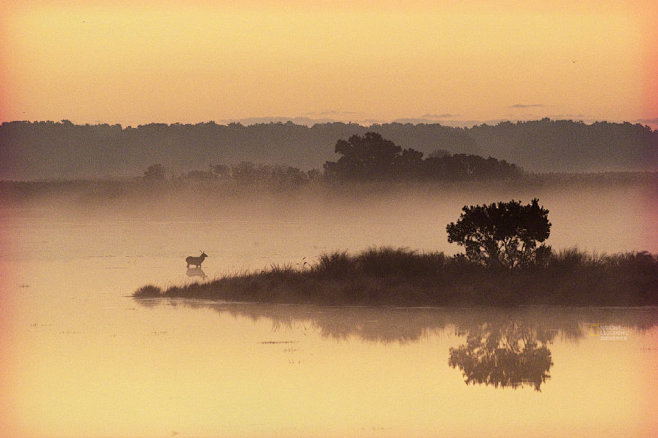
column 148, row 291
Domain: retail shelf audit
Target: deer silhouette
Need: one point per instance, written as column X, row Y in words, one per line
column 196, row 261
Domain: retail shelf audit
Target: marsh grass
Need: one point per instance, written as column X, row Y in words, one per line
column 148, row 291
column 388, row 276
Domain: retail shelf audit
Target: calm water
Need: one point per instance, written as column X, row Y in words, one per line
column 83, row 359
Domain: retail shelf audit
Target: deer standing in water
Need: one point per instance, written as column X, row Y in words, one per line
column 196, row 261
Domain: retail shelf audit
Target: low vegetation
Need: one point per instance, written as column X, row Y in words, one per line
column 388, row 276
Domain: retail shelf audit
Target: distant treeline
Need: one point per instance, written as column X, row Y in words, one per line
column 38, row 150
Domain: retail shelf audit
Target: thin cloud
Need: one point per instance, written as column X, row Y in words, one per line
column 571, row 116
column 439, row 116
column 333, row 113
column 532, row 105
column 652, row 121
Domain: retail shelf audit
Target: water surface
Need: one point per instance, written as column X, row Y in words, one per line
column 83, row 359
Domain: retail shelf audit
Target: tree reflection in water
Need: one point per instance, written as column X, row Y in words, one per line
column 504, row 347
column 507, row 354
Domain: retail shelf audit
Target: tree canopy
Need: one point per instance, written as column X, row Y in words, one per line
column 503, row 233
column 373, row 158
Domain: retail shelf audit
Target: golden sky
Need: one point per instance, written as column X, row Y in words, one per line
column 193, row 61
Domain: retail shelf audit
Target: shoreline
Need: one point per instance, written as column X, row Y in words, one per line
column 400, row 277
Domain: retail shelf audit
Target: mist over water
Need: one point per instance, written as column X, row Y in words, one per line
column 249, row 229
column 85, row 359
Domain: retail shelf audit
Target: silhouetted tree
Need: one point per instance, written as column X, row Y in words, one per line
column 364, row 158
column 503, row 233
column 409, row 164
column 372, row 158
column 468, row 167
column 155, row 172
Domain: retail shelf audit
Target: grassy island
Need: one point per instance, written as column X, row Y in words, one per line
column 401, row 277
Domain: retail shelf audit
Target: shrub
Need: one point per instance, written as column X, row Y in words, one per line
column 148, row 291
column 503, row 233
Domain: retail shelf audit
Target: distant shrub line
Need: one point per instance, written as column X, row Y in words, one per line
column 401, row 277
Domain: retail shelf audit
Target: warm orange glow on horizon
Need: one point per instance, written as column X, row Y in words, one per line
column 172, row 61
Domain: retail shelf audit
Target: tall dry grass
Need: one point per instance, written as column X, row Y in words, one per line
column 399, row 276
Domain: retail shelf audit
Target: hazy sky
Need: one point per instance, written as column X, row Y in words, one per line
column 193, row 61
